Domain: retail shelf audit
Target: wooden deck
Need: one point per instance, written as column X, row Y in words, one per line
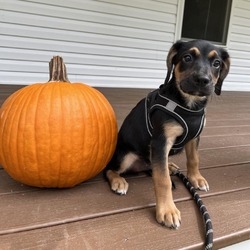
column 90, row 216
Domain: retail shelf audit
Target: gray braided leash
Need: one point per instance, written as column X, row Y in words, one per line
column 203, row 210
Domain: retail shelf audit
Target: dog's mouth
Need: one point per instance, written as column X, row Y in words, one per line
column 195, row 89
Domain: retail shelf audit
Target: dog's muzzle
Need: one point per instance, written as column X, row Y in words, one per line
column 197, row 85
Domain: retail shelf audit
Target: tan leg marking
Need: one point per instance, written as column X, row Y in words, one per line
column 166, row 212
column 127, row 162
column 117, row 183
column 193, row 173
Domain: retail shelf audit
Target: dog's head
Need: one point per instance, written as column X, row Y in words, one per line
column 198, row 67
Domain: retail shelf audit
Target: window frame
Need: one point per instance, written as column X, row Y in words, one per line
column 179, row 20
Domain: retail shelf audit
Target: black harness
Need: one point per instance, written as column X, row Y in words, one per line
column 191, row 121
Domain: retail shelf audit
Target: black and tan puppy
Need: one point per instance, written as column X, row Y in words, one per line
column 168, row 120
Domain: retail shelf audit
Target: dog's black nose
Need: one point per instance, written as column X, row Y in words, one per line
column 201, row 80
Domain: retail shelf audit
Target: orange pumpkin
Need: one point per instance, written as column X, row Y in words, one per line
column 56, row 134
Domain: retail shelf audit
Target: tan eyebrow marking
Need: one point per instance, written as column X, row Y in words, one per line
column 212, row 53
column 195, row 50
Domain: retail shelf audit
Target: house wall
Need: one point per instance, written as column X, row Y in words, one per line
column 239, row 47
column 104, row 43
column 109, row 43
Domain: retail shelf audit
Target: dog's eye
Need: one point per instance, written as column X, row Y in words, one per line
column 216, row 64
column 187, row 58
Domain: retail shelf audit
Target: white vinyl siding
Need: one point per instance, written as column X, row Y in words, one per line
column 108, row 43
column 239, row 47
column 111, row 43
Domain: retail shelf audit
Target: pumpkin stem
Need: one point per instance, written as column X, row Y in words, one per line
column 57, row 70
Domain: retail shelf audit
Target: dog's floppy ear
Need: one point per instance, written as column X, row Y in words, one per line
column 223, row 72
column 170, row 58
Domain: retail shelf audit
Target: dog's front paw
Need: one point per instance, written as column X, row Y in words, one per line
column 169, row 216
column 198, row 181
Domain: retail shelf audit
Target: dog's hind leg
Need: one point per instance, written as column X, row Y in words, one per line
column 173, row 168
column 117, row 183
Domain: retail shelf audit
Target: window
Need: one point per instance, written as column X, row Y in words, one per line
column 206, row 19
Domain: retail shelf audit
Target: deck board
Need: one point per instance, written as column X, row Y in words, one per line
column 90, row 216
column 37, row 210
column 137, row 229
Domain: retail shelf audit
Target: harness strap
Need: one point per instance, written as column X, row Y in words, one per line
column 170, row 108
column 156, row 101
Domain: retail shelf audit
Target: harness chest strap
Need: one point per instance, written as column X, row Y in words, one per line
column 191, row 121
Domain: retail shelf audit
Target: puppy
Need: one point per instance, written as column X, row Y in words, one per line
column 169, row 119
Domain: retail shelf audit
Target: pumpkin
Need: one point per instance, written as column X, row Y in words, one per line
column 56, row 134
